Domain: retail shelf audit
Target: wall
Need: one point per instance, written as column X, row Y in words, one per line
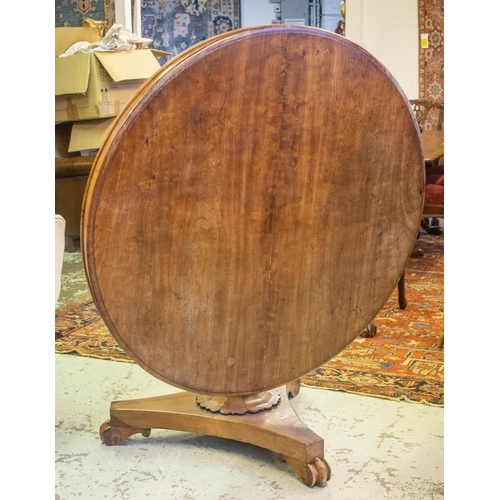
column 255, row 12
column 331, row 14
column 388, row 29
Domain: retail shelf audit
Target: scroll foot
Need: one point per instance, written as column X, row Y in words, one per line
column 316, row 473
column 115, row 436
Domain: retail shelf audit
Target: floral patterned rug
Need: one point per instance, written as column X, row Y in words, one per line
column 401, row 362
column 431, row 58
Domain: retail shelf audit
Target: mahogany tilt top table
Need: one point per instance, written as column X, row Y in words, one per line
column 248, row 214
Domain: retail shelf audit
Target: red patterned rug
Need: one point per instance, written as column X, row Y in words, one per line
column 402, row 362
column 81, row 330
column 431, row 58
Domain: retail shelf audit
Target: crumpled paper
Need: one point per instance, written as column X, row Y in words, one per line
column 117, row 38
column 100, row 26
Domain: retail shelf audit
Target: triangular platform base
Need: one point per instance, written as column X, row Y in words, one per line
column 278, row 429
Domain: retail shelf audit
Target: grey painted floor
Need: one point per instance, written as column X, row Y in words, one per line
column 377, row 449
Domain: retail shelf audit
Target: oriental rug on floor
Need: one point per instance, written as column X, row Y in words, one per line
column 401, row 362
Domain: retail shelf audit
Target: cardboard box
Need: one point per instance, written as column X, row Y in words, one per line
column 99, row 84
column 66, row 37
column 87, row 137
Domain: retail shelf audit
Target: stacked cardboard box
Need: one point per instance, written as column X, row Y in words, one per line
column 96, row 86
column 91, row 89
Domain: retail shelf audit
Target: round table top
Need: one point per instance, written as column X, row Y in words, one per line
column 252, row 208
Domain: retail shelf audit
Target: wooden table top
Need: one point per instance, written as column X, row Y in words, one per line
column 433, row 144
column 247, row 215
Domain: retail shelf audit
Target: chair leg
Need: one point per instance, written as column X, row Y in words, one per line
column 441, row 341
column 401, row 292
column 431, row 228
column 70, row 244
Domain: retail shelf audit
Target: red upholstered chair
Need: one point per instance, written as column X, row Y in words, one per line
column 434, row 169
column 434, row 198
column 433, row 208
column 434, row 191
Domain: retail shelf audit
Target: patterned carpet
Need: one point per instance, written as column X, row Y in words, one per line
column 431, row 59
column 401, row 362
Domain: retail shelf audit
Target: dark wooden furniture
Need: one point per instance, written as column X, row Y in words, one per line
column 71, row 174
column 422, row 108
column 433, row 146
column 433, row 141
column 247, row 216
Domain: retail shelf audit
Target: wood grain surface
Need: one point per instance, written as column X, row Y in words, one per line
column 433, row 144
column 252, row 208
